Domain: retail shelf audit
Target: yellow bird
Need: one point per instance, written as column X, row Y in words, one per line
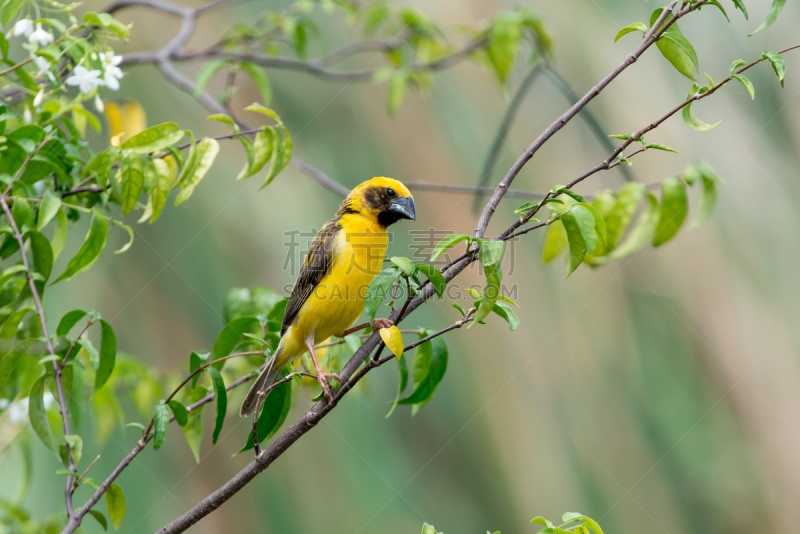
column 328, row 296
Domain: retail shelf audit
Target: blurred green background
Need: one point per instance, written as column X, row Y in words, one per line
column 657, row 394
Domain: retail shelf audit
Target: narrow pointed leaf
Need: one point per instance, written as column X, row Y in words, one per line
column 92, row 246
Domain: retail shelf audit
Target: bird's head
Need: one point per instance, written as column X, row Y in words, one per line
column 382, row 199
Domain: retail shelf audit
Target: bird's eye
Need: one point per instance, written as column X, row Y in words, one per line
column 390, row 192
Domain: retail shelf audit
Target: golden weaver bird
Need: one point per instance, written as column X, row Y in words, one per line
column 328, row 296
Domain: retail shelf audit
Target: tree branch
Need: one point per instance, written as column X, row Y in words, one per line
column 50, row 350
column 650, row 38
column 315, row 68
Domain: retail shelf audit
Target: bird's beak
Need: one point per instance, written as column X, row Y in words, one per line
column 403, row 208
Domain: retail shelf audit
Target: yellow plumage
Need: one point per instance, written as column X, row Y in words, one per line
column 344, row 258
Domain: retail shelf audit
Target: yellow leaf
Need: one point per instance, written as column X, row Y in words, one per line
column 125, row 119
column 393, row 339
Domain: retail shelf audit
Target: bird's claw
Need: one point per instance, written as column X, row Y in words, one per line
column 377, row 324
column 322, row 378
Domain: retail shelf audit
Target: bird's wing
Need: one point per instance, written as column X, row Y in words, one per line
column 316, row 265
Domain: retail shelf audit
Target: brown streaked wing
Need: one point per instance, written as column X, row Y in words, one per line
column 316, row 265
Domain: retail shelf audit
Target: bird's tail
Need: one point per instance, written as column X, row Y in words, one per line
column 254, row 397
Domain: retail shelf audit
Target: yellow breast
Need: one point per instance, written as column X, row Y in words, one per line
column 338, row 300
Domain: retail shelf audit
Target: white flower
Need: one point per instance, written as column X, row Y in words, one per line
column 38, row 100
column 98, row 104
column 86, row 80
column 112, row 73
column 41, row 36
column 23, row 27
column 41, row 63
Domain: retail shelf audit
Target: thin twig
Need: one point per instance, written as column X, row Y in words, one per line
column 50, row 350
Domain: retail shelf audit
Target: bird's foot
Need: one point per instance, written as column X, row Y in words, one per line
column 322, row 378
column 377, row 324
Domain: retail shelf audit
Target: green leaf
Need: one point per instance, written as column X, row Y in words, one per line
column 8, row 362
column 402, row 370
column 599, row 221
column 132, row 180
column 679, row 51
column 378, row 290
column 506, row 312
column 736, row 64
column 569, row 193
column 42, row 253
column 656, row 146
column 708, row 199
column 48, row 208
column 255, row 106
column 91, row 248
column 108, row 355
column 446, row 243
column 641, row 233
column 206, row 74
column 115, row 504
column 193, row 431
column 740, row 5
column 105, row 20
column 674, row 206
column 525, row 208
column 435, row 276
column 717, row 4
column 555, row 242
column 11, row 323
column 636, row 26
column 69, row 320
column 259, row 76
column 187, row 166
column 778, row 64
column 220, row 400
column 624, row 209
column 592, row 524
column 37, row 412
column 586, row 222
column 22, row 213
column 577, row 243
column 154, row 139
column 250, row 151
column 747, row 85
column 504, row 38
column 149, row 170
column 100, row 518
column 227, row 119
column 273, row 412
column 230, row 336
column 430, row 364
column 491, row 291
column 777, row 6
column 406, row 265
column 158, row 197
column 179, row 411
column 207, row 150
column 542, row 521
column 490, row 252
column 195, row 361
column 104, row 163
column 570, row 517
column 281, row 154
column 60, row 233
column 75, row 443
column 262, row 148
column 691, row 119
column 160, row 423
